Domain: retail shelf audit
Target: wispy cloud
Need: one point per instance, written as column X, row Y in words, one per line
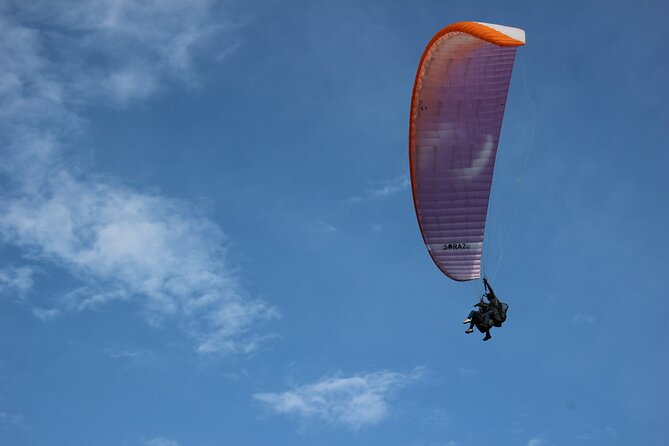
column 133, row 357
column 12, row 421
column 320, row 227
column 124, row 244
column 16, row 281
column 583, row 319
column 120, row 243
column 159, row 441
column 45, row 314
column 537, row 441
column 468, row 372
column 382, row 189
column 597, row 433
column 136, row 43
column 353, row 402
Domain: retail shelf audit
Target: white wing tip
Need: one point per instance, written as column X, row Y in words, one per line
column 514, row 33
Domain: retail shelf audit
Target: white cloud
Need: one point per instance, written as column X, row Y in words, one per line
column 167, row 35
column 391, row 187
column 16, row 281
column 125, row 244
column 134, row 357
column 382, row 189
column 353, row 402
column 45, row 314
column 536, row 442
column 120, row 243
column 133, row 82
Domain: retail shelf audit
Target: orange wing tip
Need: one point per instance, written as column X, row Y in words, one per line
column 498, row 34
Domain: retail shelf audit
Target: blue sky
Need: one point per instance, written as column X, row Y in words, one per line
column 208, row 236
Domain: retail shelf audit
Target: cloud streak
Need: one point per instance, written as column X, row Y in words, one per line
column 381, row 190
column 353, row 402
column 120, row 243
column 159, row 441
column 134, row 357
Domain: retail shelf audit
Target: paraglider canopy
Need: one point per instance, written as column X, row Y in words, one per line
column 457, row 107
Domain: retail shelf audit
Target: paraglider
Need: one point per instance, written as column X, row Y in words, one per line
column 490, row 314
column 457, row 107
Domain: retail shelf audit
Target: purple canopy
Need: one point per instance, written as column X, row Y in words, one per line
column 456, row 116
